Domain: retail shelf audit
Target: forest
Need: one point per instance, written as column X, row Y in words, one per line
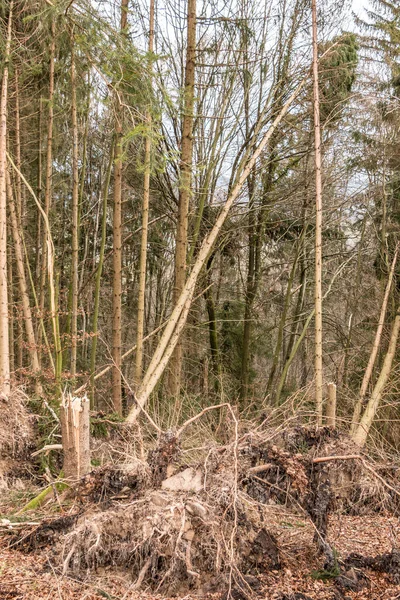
column 199, row 299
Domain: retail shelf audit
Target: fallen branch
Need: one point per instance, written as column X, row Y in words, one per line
column 200, row 414
column 322, row 459
column 260, row 469
column 47, row 448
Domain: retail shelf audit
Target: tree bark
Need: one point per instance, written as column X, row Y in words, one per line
column 4, row 324
column 361, row 433
column 75, row 216
column 374, row 352
column 48, row 179
column 99, row 272
column 145, row 223
column 185, row 187
column 23, row 288
column 331, row 405
column 117, row 246
column 318, row 225
column 75, row 430
column 179, row 315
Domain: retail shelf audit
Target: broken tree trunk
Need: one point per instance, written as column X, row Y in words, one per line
column 331, row 405
column 74, row 417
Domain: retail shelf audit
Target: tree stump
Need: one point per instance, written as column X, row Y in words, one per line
column 75, row 430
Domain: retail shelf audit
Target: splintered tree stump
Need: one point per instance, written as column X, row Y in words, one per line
column 75, row 429
column 331, row 406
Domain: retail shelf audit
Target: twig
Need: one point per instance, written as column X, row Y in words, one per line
column 47, row 448
column 142, row 574
column 260, row 468
column 200, row 414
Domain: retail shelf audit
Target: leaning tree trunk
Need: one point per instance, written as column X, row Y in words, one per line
column 180, row 312
column 361, row 433
column 374, row 352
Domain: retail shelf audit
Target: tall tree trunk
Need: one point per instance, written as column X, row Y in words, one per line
column 145, row 222
column 75, row 215
column 318, row 224
column 117, row 246
column 23, row 288
column 184, row 187
column 48, row 179
column 99, row 272
column 4, row 332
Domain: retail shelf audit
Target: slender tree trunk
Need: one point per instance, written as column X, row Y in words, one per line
column 75, row 215
column 212, row 325
column 117, row 246
column 48, row 179
column 117, row 271
column 99, row 272
column 361, row 433
column 4, row 331
column 318, row 225
column 374, row 352
column 283, row 319
column 23, row 288
column 145, row 222
column 12, row 310
column 185, row 186
column 19, row 207
column 39, row 191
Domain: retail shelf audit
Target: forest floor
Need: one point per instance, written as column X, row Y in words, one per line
column 266, row 513
column 31, row 576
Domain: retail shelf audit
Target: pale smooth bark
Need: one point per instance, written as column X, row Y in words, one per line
column 48, row 178
column 145, row 225
column 4, row 331
column 179, row 315
column 318, row 224
column 184, row 186
column 331, row 405
column 361, row 433
column 117, row 245
column 374, row 351
column 99, row 272
column 23, row 288
column 75, row 216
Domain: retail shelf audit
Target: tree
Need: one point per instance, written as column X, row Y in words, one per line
column 4, row 333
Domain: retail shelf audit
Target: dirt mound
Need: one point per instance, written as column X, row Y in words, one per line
column 16, row 434
column 222, row 522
